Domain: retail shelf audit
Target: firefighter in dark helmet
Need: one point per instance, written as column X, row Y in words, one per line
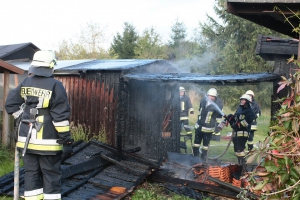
column 50, row 136
column 241, row 122
column 209, row 112
column 186, row 108
column 254, row 105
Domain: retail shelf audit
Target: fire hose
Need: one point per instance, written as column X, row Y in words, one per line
column 227, row 147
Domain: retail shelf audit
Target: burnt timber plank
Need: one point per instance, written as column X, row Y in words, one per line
column 157, row 176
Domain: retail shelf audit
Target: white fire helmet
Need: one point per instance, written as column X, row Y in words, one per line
column 181, row 89
column 212, row 92
column 42, row 63
column 246, row 96
column 250, row 92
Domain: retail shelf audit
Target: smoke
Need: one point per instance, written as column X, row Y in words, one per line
column 194, row 64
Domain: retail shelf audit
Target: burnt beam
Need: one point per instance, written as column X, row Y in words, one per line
column 158, row 177
column 126, row 168
column 149, row 162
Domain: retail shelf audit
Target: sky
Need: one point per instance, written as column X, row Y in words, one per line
column 46, row 23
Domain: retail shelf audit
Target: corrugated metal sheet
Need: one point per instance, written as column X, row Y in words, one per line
column 124, row 64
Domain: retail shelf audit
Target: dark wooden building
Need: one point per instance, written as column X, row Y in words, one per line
column 148, row 110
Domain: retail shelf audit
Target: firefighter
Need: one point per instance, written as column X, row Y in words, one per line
column 209, row 111
column 50, row 136
column 186, row 108
column 241, row 122
column 257, row 111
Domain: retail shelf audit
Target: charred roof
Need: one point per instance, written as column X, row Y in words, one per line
column 205, row 78
column 263, row 12
column 269, row 47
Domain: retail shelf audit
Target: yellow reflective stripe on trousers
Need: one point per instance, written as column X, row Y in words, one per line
column 34, row 194
column 205, row 147
column 41, row 147
column 36, row 197
column 240, row 154
column 196, row 145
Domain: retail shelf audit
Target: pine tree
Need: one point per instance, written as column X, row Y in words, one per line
column 123, row 45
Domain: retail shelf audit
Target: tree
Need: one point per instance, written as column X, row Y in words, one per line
column 178, row 34
column 88, row 45
column 123, row 46
column 233, row 43
column 149, row 46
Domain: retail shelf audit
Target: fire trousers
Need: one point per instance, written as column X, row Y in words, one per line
column 239, row 141
column 199, row 136
column 42, row 176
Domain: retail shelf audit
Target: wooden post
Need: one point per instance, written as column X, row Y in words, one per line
column 5, row 127
column 16, row 79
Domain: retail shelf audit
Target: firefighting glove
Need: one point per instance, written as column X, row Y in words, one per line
column 67, row 147
column 231, row 119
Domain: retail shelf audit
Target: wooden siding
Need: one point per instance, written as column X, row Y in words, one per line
column 93, row 98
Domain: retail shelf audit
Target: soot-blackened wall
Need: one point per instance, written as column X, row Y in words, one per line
column 148, row 117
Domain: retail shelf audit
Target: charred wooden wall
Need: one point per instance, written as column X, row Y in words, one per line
column 145, row 105
column 93, row 98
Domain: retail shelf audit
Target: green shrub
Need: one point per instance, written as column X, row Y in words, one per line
column 81, row 132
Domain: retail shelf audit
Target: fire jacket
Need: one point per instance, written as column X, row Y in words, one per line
column 209, row 111
column 49, row 96
column 254, row 105
column 186, row 107
column 244, row 116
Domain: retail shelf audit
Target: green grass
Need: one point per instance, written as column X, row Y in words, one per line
column 7, row 165
column 153, row 191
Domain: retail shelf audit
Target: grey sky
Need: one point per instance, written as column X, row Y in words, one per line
column 47, row 22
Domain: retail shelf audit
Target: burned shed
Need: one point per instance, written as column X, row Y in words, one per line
column 93, row 91
column 149, row 113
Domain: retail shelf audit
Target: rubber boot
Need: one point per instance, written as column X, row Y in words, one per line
column 195, row 151
column 250, row 147
column 242, row 163
column 204, row 154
